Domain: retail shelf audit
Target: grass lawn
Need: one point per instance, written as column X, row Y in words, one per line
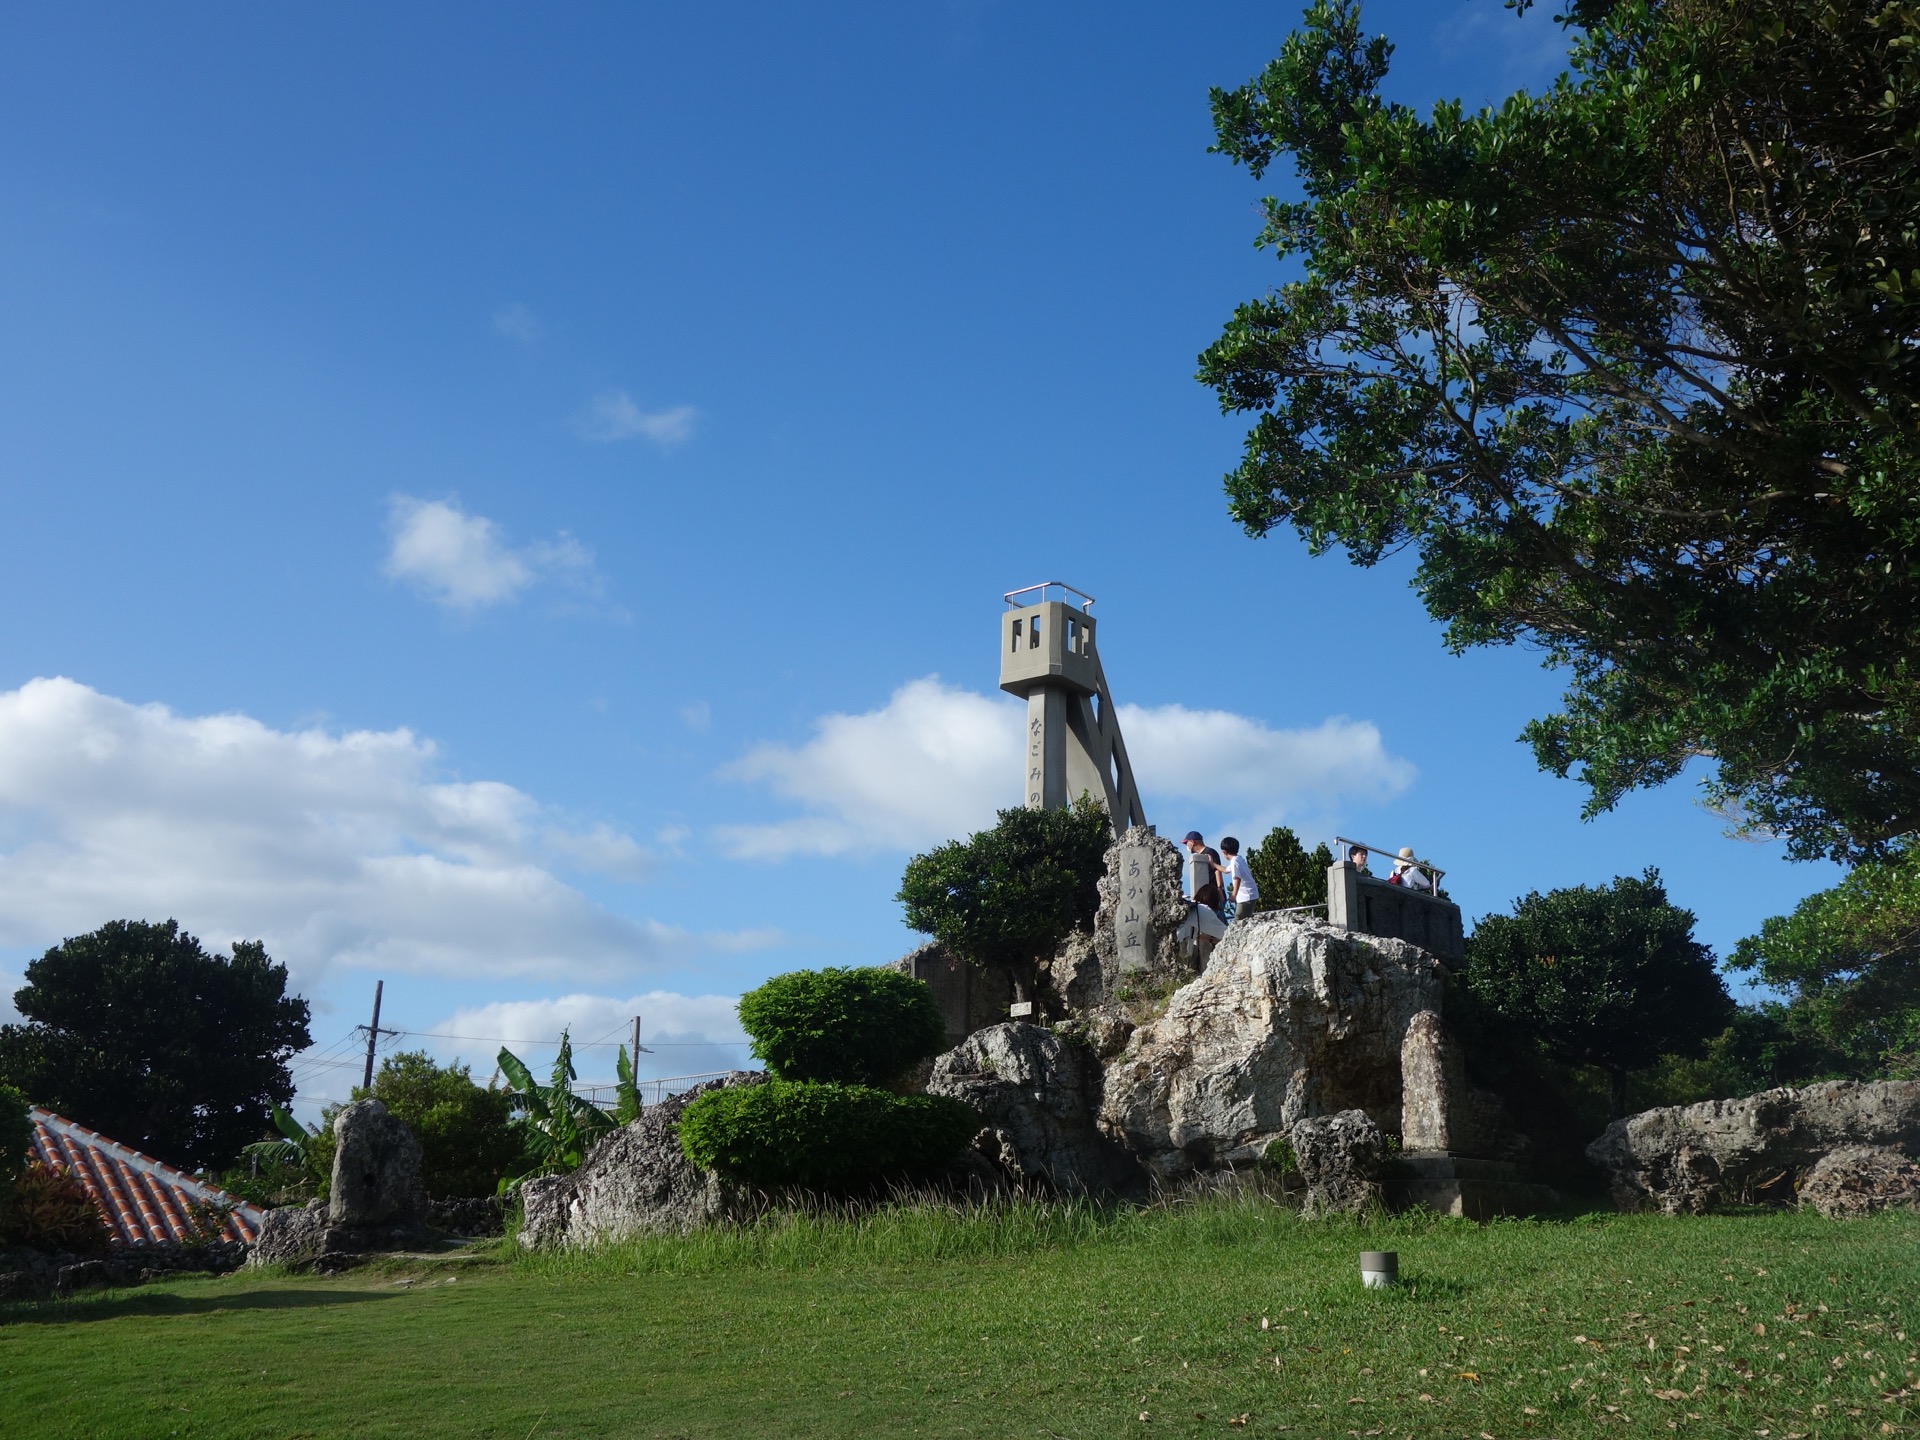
column 1220, row 1319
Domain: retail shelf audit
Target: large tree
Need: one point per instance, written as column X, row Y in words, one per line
column 1849, row 961
column 1287, row 874
column 1006, row 897
column 137, row 1031
column 1630, row 366
column 1608, row 976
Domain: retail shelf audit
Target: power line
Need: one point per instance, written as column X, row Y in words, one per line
column 577, row 1044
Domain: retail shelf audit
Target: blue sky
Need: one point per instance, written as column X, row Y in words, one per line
column 513, row 502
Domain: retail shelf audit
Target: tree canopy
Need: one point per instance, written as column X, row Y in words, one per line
column 1005, row 897
column 1849, row 960
column 468, row 1138
column 138, row 1032
column 1630, row 366
column 1608, row 976
column 1286, row 873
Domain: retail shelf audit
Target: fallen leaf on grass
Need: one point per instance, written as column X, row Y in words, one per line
column 1669, row 1394
column 1426, row 1399
column 1240, row 1420
column 1145, row 1416
column 1472, row 1375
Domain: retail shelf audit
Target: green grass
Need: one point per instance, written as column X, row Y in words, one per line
column 1227, row 1318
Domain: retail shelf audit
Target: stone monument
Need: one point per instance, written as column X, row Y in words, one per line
column 1073, row 744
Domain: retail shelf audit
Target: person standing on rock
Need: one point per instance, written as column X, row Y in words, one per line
column 1203, row 871
column 1243, row 896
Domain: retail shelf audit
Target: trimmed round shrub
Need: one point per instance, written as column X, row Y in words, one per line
column 823, row 1136
column 852, row 1027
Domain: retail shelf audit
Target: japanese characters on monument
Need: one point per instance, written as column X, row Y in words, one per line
column 1133, row 909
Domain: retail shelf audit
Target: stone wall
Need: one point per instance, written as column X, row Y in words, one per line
column 1376, row 907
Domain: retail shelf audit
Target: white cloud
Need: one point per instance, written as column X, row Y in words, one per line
column 687, row 1034
column 333, row 848
column 697, row 715
column 1215, row 757
column 936, row 762
column 463, row 562
column 516, row 322
column 613, row 416
column 932, row 763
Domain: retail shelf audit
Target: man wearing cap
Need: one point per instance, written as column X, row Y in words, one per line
column 1203, row 871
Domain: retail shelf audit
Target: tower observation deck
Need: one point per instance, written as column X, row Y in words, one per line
column 1073, row 745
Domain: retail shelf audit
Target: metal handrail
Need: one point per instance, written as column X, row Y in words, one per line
column 1045, row 585
column 1394, row 855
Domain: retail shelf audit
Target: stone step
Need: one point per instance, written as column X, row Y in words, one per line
column 1473, row 1199
column 1443, row 1165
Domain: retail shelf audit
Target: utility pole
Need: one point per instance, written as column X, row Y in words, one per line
column 635, row 1051
column 374, row 1032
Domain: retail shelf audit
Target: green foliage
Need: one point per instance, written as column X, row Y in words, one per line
column 468, row 1140
column 289, row 1170
column 1849, row 961
column 137, row 1032
column 16, row 1131
column 627, row 1107
column 1006, row 897
column 1629, row 366
column 855, row 1027
column 48, row 1209
column 1286, row 874
column 557, row 1127
column 820, row 1136
column 1608, row 976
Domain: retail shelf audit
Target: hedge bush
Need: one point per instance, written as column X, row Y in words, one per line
column 16, row 1133
column 823, row 1136
column 48, row 1209
column 847, row 1026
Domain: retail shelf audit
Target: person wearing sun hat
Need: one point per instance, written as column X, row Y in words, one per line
column 1406, row 872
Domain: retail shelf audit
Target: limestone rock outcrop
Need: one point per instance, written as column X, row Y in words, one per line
column 1290, row 1019
column 376, row 1169
column 1039, row 1094
column 375, row 1202
column 1858, row 1180
column 1341, row 1158
column 636, row 1181
column 1687, row 1159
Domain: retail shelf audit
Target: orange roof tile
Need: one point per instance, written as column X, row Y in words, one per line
column 145, row 1201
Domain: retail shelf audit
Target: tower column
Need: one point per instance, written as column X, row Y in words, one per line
column 1047, row 750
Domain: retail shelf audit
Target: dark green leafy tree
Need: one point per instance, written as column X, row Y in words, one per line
column 1608, row 976
column 138, row 1032
column 468, row 1140
column 1006, row 897
column 1848, row 960
column 1630, row 367
column 16, row 1134
column 1286, row 874
column 856, row 1027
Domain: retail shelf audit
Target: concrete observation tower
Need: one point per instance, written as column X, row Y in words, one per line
column 1048, row 658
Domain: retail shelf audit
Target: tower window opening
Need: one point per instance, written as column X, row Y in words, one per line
column 1033, row 634
column 1073, row 636
column 1016, row 634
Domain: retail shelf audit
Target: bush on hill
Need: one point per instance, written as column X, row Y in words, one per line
column 854, row 1027
column 823, row 1136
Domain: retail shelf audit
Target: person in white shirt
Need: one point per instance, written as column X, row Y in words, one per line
column 1242, row 893
column 1407, row 873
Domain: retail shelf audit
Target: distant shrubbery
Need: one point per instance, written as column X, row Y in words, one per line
column 821, row 1121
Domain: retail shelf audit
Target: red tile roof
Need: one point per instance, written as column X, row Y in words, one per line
column 145, row 1202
